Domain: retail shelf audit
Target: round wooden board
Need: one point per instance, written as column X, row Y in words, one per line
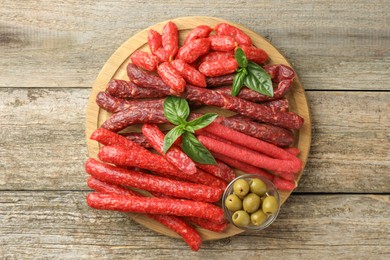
column 115, row 68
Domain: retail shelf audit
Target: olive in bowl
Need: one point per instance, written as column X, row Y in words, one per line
column 251, row 202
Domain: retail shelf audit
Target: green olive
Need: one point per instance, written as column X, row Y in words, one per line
column 270, row 205
column 258, row 218
column 233, row 202
column 251, row 203
column 241, row 218
column 241, row 188
column 257, row 186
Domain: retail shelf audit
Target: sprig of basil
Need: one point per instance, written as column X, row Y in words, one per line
column 251, row 75
column 176, row 110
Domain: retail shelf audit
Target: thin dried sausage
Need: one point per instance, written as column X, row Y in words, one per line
column 165, row 206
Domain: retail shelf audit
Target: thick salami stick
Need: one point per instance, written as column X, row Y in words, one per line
column 181, row 189
column 127, row 89
column 243, row 166
column 163, row 206
column 131, row 116
column 277, row 104
column 114, row 105
column 174, row 155
column 251, row 157
column 186, row 231
column 245, row 93
column 212, row 98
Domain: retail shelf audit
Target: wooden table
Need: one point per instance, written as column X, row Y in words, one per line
column 52, row 51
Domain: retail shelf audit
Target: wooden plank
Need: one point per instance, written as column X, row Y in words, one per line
column 332, row 44
column 60, row 224
column 43, row 144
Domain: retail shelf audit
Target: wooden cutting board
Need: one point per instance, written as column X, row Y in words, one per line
column 115, row 68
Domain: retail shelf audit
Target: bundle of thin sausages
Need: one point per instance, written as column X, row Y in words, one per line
column 255, row 140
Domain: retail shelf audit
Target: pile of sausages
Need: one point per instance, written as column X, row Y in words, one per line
column 183, row 193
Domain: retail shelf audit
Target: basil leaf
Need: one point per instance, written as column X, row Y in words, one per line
column 240, row 57
column 189, row 128
column 202, row 121
column 176, row 110
column 171, row 137
column 195, row 150
column 258, row 80
column 238, row 81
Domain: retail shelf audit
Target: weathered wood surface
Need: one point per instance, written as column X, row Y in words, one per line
column 332, row 44
column 51, row 53
column 43, row 138
column 51, row 224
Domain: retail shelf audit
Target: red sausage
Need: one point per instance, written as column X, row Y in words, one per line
column 136, row 179
column 191, row 51
column 250, row 157
column 243, row 166
column 170, row 39
column 171, row 77
column 254, row 54
column 216, row 55
column 220, row 170
column 131, row 116
column 245, row 93
column 154, row 41
column 174, row 155
column 186, row 231
column 127, row 89
column 222, row 43
column 282, row 184
column 189, row 73
column 227, row 29
column 201, row 31
column 144, row 60
column 207, row 224
column 218, row 67
column 177, row 207
column 212, row 98
column 137, row 138
column 249, row 142
column 113, row 104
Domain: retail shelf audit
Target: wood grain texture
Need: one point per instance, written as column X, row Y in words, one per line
column 49, row 224
column 332, row 44
column 349, row 150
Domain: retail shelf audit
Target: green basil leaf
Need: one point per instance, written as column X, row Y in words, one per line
column 176, row 110
column 258, row 79
column 189, row 128
column 238, row 81
column 202, row 121
column 171, row 137
column 240, row 57
column 195, row 150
